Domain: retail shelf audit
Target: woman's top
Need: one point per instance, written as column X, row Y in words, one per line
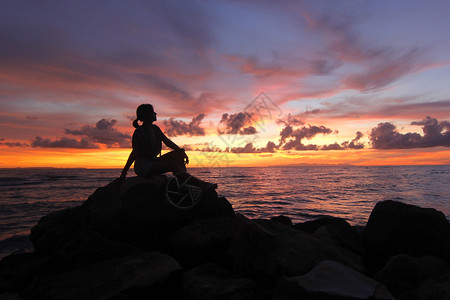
column 146, row 145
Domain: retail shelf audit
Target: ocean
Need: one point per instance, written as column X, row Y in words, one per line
column 302, row 193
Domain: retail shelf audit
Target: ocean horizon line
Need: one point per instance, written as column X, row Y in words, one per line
column 225, row 167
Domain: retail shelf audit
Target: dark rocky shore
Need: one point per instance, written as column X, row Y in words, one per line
column 128, row 242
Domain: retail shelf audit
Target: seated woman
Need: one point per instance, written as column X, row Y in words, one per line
column 146, row 143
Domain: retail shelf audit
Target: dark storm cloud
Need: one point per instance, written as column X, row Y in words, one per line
column 386, row 135
column 239, row 123
column 103, row 133
column 174, row 127
column 64, row 142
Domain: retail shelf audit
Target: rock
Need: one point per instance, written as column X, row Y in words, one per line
column 407, row 277
column 86, row 249
column 106, row 279
column 136, row 212
column 10, row 296
column 202, row 241
column 397, row 228
column 55, row 229
column 18, row 270
column 330, row 280
column 282, row 219
column 336, row 230
column 209, row 281
column 264, row 250
column 142, row 216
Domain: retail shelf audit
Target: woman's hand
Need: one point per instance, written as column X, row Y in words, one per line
column 186, row 158
column 121, row 178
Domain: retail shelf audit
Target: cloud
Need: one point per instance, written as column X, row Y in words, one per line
column 379, row 66
column 174, row 127
column 296, row 136
column 290, row 120
column 291, row 138
column 383, row 70
column 249, row 148
column 12, row 144
column 64, row 142
column 103, row 133
column 386, row 135
column 238, row 123
column 353, row 144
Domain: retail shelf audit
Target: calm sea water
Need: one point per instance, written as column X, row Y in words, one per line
column 302, row 193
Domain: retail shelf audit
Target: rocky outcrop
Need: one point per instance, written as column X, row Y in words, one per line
column 129, row 242
column 330, row 280
column 412, row 278
column 265, row 250
column 398, row 228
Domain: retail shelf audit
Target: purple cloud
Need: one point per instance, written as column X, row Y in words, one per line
column 386, row 136
column 84, row 143
column 103, row 133
column 238, row 123
column 174, row 127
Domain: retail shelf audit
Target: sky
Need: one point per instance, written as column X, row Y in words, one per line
column 236, row 83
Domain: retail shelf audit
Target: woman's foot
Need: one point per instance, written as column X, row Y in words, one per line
column 188, row 179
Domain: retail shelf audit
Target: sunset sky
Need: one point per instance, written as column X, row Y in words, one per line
column 237, row 83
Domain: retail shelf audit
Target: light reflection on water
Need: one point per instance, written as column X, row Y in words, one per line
column 305, row 193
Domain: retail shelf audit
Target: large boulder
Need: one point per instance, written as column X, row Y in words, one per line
column 411, row 278
column 336, row 230
column 210, row 281
column 265, row 250
column 55, row 229
column 330, row 280
column 202, row 241
column 398, row 228
column 106, row 279
column 141, row 214
column 136, row 212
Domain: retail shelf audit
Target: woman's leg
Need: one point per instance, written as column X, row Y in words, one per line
column 172, row 161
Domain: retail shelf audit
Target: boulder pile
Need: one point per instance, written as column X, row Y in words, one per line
column 127, row 241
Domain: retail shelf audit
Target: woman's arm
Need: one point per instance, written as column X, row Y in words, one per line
column 172, row 145
column 130, row 161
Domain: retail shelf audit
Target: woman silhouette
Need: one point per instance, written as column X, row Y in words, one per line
column 146, row 143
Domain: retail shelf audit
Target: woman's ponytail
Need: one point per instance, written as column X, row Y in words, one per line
column 135, row 123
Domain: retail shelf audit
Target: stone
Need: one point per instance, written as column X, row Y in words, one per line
column 335, row 230
column 136, row 212
column 10, row 296
column 202, row 241
column 209, row 281
column 282, row 219
column 143, row 216
column 397, row 228
column 85, row 249
column 55, row 229
column 18, row 270
column 330, row 280
column 264, row 250
column 408, row 277
column 105, row 279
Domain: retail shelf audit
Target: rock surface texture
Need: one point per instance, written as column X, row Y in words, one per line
column 129, row 242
